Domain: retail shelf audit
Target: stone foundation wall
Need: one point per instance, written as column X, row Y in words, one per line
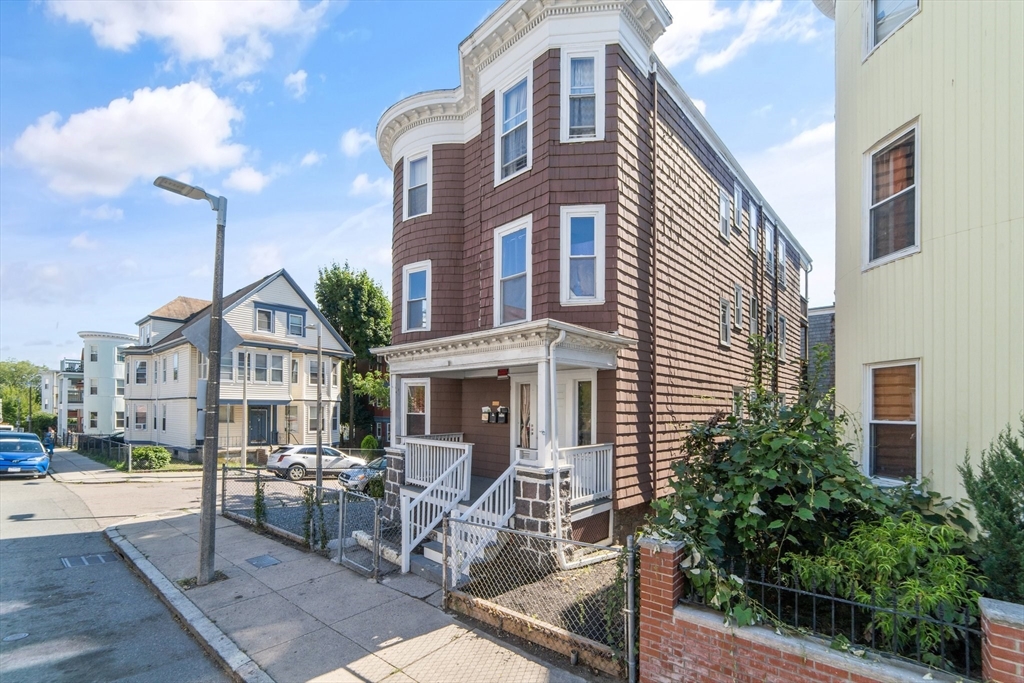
column 535, row 502
column 394, row 478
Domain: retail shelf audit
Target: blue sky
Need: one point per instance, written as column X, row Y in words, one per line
column 275, row 105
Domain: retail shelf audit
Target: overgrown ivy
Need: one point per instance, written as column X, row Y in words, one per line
column 259, row 504
column 314, row 525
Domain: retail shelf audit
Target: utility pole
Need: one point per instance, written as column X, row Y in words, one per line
column 321, row 377
column 245, row 410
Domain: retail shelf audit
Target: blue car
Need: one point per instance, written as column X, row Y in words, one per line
column 22, row 454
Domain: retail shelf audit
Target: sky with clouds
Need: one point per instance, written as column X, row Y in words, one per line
column 274, row 104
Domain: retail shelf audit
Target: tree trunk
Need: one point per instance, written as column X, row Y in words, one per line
column 351, row 403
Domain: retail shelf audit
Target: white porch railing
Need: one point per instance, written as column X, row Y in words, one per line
column 423, row 512
column 493, row 508
column 591, row 477
column 427, row 458
column 449, row 436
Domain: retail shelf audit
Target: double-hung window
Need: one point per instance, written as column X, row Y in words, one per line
column 295, row 371
column 417, row 182
column 163, row 418
column 886, row 16
column 94, row 354
column 93, row 389
column 512, row 256
column 295, row 325
column 244, row 366
column 782, row 264
column 416, row 407
column 94, row 420
column 141, row 419
column 313, row 414
column 260, row 367
column 724, row 209
column 755, row 314
column 119, row 390
column 227, row 367
column 769, row 325
column 416, row 293
column 737, row 206
column 582, row 254
column 737, row 304
column 755, row 212
column 769, row 247
column 724, row 322
column 174, row 367
column 140, row 372
column 163, row 369
column 277, row 369
column 314, row 373
column 264, row 320
column 227, row 414
column 119, row 419
column 893, row 425
column 582, row 94
column 893, row 217
column 782, row 338
column 514, row 120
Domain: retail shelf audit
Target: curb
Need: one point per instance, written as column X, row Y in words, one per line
column 239, row 664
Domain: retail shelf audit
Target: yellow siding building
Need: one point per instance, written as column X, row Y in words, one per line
column 929, row 229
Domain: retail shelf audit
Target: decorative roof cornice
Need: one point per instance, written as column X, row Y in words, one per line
column 506, row 26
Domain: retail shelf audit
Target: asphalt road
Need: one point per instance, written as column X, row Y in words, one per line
column 86, row 623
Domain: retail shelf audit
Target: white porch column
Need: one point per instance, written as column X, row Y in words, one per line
column 395, row 410
column 544, row 456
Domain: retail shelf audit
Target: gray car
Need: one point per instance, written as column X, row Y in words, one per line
column 356, row 478
column 299, row 461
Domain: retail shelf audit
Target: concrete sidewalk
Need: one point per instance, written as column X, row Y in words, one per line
column 69, row 467
column 307, row 618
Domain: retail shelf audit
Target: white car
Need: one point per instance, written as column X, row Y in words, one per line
column 296, row 462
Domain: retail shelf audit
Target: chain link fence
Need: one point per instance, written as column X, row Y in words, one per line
column 114, row 452
column 280, row 505
column 580, row 588
column 360, row 525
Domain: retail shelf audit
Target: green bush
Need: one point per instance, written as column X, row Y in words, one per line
column 369, row 443
column 150, row 457
column 907, row 563
column 375, row 487
column 997, row 492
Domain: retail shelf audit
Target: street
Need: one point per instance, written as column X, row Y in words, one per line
column 86, row 622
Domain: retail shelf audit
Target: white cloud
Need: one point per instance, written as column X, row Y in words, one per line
column 701, row 105
column 82, row 241
column 234, row 38
column 798, row 178
column 362, row 185
column 163, row 131
column 312, row 158
column 264, row 258
column 247, row 179
column 354, row 142
column 763, row 111
column 696, row 22
column 103, row 212
column 296, row 84
column 248, row 87
column 200, row 272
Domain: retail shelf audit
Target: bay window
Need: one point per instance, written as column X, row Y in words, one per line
column 582, row 254
column 417, row 183
column 416, row 407
column 512, row 265
column 416, row 297
column 141, row 418
column 260, row 367
column 277, row 369
column 140, row 372
column 514, row 121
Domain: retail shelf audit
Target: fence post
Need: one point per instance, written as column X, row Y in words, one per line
column 444, row 560
column 129, row 458
column 630, row 608
column 376, row 540
column 341, row 522
column 224, row 488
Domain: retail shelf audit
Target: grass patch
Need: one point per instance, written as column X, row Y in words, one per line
column 190, row 583
column 173, row 466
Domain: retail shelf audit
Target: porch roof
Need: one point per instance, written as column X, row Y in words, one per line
column 513, row 345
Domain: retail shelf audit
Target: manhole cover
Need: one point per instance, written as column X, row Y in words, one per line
column 263, row 561
column 85, row 560
column 15, row 636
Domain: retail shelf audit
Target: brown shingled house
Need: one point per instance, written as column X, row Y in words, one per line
column 578, row 264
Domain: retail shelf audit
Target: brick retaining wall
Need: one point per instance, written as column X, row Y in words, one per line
column 1002, row 656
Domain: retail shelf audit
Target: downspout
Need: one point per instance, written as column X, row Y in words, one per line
column 556, row 476
column 654, row 284
column 775, row 306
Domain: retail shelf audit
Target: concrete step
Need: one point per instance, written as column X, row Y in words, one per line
column 425, row 567
column 432, row 551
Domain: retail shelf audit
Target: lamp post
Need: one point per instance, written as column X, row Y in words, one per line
column 208, row 508
column 319, row 407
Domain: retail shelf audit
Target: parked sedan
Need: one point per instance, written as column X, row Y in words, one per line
column 296, row 462
column 357, row 478
column 23, row 454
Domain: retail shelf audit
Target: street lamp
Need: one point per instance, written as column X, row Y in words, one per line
column 208, row 507
column 319, row 407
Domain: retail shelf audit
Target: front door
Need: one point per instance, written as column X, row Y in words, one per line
column 258, row 422
column 524, row 422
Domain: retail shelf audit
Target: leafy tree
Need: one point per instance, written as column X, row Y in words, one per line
column 997, row 492
column 359, row 309
column 375, row 386
column 16, row 378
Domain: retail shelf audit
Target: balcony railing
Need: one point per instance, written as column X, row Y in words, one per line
column 74, row 397
column 427, row 459
column 591, row 477
column 71, row 366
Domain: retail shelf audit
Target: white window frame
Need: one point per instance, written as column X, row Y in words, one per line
column 119, row 387
column 782, row 339
column 256, row 319
column 755, row 314
column 302, row 325
column 144, row 366
column 499, row 117
column 427, row 154
column 163, row 370
column 279, row 370
column 407, row 270
column 256, row 367
column 868, row 17
column 94, row 419
column 769, row 246
column 295, row 378
column 415, row 382
column 140, row 409
column 783, row 255
column 724, row 322
column 515, row 226
column 737, row 205
column 94, row 353
column 94, row 389
column 597, row 211
column 119, row 419
column 870, row 411
column 597, row 52
column 868, row 164
column 737, row 306
column 754, row 212
column 310, row 423
column 174, row 367
column 724, row 213
column 163, row 418
column 770, row 323
column 309, row 376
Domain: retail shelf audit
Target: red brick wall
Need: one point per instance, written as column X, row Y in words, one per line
column 1002, row 624
column 680, row 643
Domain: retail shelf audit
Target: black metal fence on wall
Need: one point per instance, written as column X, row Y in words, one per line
column 945, row 639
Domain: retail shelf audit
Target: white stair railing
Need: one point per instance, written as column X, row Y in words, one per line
column 427, row 458
column 591, row 477
column 423, row 512
column 493, row 509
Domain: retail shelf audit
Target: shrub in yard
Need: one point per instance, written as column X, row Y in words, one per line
column 909, row 564
column 375, row 487
column 150, row 457
column 997, row 492
column 369, row 443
